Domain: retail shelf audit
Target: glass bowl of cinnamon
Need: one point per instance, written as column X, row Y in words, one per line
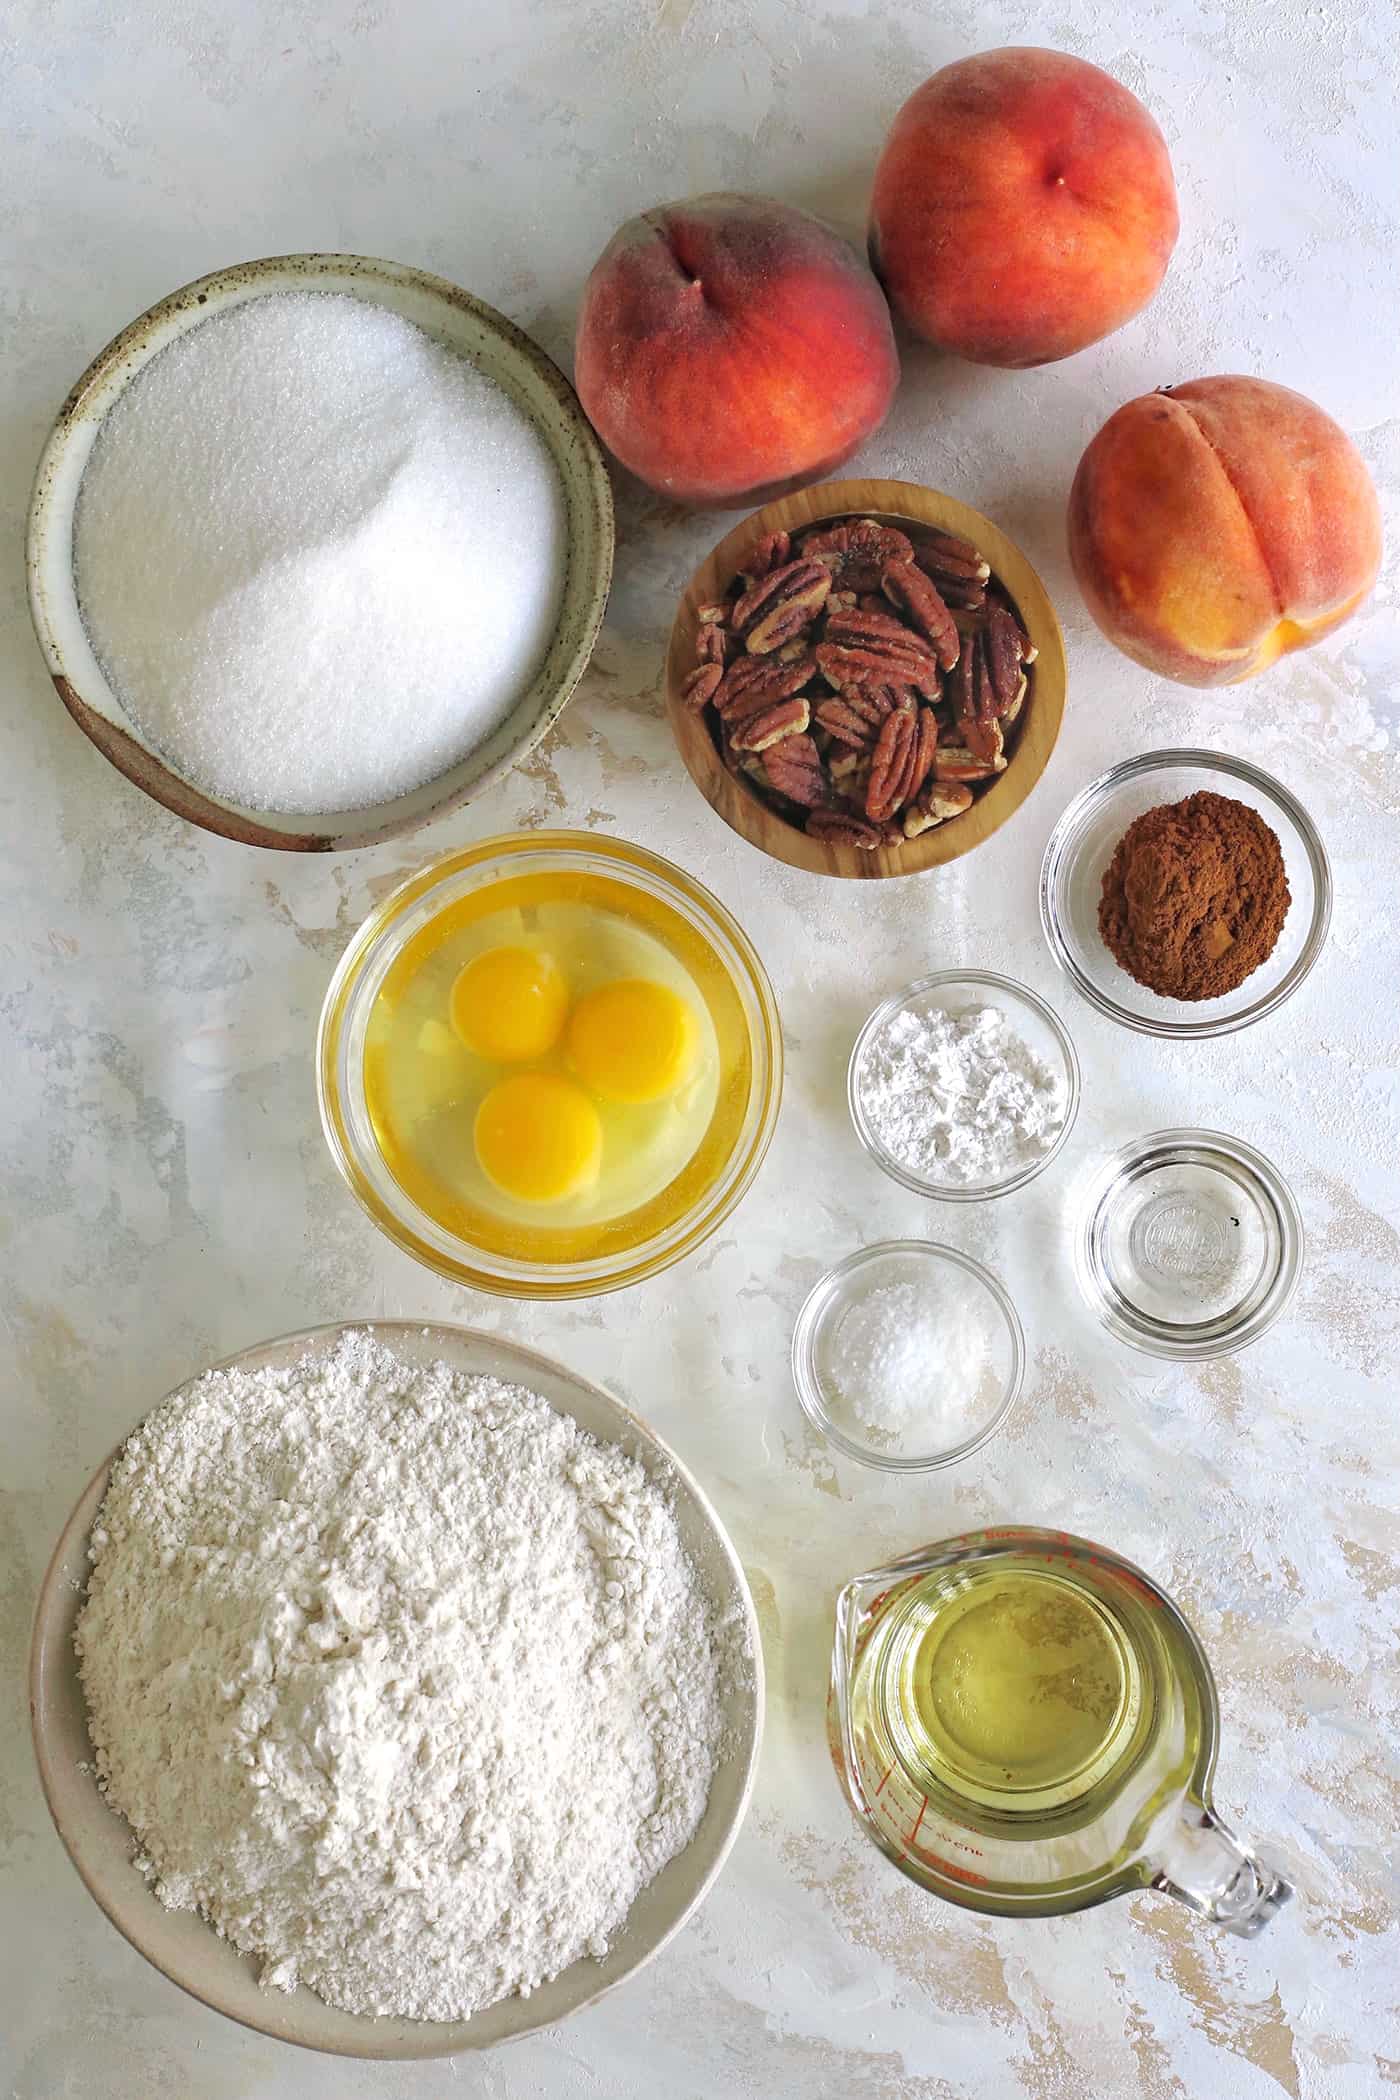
column 1185, row 893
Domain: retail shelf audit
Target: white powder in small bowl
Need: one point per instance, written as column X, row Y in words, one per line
column 959, row 1099
column 915, row 1368
column 319, row 555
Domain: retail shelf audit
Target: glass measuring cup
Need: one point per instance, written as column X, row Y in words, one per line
column 1027, row 1725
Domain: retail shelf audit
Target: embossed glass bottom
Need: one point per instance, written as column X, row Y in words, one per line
column 1190, row 1244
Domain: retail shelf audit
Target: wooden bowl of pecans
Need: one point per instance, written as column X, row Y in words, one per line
column 866, row 678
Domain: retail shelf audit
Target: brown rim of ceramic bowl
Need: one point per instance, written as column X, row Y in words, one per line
column 465, row 324
column 186, row 1950
column 894, row 502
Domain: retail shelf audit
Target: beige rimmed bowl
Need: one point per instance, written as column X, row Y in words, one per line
column 187, row 1950
column 464, row 324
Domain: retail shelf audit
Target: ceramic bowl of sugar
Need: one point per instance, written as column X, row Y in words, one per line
column 963, row 1086
column 318, row 549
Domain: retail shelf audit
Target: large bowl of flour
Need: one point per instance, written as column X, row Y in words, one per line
column 425, row 1674
column 318, row 549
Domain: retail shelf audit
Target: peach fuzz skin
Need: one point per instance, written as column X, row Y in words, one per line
column 1024, row 206
column 732, row 348
column 1218, row 525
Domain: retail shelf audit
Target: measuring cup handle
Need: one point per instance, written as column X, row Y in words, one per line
column 1203, row 1864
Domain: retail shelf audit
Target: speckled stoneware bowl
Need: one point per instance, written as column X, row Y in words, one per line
column 187, row 1950
column 464, row 324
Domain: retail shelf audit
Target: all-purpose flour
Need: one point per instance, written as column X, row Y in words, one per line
column 401, row 1679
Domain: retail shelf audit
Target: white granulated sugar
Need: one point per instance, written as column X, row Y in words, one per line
column 319, row 556
column 960, row 1098
column 403, row 1680
column 912, row 1366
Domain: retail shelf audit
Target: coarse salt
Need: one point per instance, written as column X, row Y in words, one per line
column 959, row 1098
column 913, row 1366
column 319, row 556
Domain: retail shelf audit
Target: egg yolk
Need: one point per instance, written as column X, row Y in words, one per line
column 538, row 1137
column 509, row 1004
column 632, row 1040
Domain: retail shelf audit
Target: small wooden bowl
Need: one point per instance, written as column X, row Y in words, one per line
column 893, row 503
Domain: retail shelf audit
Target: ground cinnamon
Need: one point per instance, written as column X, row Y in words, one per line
column 1195, row 897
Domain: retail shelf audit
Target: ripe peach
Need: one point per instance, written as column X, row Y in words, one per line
column 732, row 348
column 1217, row 525
column 1024, row 206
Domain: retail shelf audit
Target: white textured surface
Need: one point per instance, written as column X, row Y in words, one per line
column 166, row 1195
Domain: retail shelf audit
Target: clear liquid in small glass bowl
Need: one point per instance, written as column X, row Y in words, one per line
column 1083, row 843
column 1189, row 1244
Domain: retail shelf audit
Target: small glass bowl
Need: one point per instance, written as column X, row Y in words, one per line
column 1083, row 843
column 847, row 1286
column 1038, row 1026
column 1189, row 1244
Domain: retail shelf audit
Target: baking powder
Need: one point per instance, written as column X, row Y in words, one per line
column 959, row 1098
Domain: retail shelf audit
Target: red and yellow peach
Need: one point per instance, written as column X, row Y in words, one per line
column 1024, row 206
column 1215, row 526
column 732, row 348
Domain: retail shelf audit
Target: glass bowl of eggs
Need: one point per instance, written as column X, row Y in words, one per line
column 549, row 1065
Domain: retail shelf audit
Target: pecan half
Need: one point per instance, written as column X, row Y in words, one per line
column 768, row 552
column 700, row 687
column 793, row 767
column 843, row 666
column 841, row 827
column 983, row 738
column 920, row 760
column 899, row 735
column 943, row 799
column 709, row 642
column 962, row 689
column 984, row 698
column 871, row 703
column 958, row 595
column 871, row 630
column 760, row 678
column 956, row 762
column 1001, row 643
column 840, row 720
column 769, row 724
column 857, row 552
column 910, row 590
column 957, row 559
column 780, row 605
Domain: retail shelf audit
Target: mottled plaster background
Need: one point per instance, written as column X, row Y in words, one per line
column 165, row 1196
